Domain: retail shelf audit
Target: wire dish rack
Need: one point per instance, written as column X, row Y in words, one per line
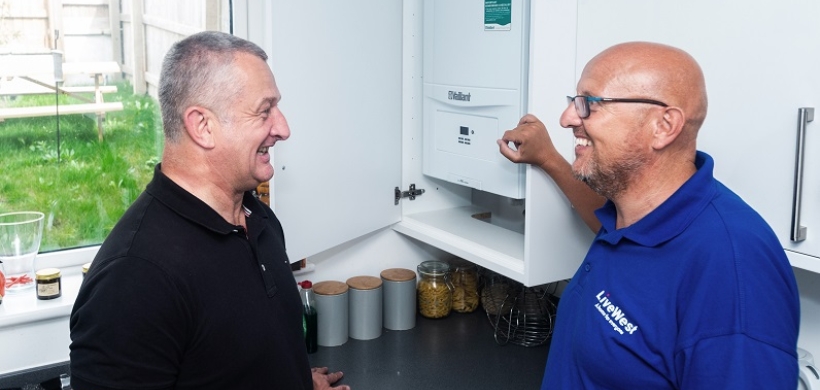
column 520, row 315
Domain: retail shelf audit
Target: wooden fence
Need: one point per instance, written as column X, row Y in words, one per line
column 134, row 33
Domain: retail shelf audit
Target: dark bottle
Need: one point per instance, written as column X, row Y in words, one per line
column 309, row 320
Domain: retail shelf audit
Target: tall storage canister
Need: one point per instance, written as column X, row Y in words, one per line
column 399, row 298
column 365, row 315
column 332, row 312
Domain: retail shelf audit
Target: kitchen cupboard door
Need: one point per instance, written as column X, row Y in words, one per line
column 761, row 61
column 339, row 70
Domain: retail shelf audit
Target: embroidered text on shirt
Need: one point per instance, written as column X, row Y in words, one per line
column 613, row 314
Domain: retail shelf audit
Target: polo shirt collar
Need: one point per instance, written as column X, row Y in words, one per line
column 192, row 208
column 671, row 217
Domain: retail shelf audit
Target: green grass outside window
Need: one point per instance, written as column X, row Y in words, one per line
column 85, row 191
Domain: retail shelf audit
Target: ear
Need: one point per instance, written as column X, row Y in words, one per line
column 668, row 128
column 199, row 124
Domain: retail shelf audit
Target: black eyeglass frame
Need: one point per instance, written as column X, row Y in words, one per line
column 582, row 104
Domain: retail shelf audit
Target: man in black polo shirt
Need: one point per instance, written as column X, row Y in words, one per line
column 193, row 289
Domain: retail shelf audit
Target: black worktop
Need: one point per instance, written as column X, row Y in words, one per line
column 31, row 379
column 456, row 352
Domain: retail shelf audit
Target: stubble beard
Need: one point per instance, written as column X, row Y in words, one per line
column 609, row 180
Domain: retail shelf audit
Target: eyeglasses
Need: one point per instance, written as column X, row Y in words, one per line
column 582, row 103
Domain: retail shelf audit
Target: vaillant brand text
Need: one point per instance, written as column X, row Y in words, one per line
column 453, row 95
column 613, row 314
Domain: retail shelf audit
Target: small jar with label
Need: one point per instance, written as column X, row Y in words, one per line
column 465, row 286
column 434, row 290
column 49, row 283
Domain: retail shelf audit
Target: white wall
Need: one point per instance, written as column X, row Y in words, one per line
column 370, row 255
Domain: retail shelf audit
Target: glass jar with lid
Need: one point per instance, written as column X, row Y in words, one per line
column 465, row 285
column 435, row 291
column 49, row 283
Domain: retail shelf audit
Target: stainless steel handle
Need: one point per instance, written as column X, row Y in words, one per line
column 804, row 116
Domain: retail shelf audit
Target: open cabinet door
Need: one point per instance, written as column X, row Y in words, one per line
column 338, row 66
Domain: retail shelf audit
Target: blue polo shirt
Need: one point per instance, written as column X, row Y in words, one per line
column 698, row 294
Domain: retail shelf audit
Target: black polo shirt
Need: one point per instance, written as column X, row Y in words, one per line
column 178, row 298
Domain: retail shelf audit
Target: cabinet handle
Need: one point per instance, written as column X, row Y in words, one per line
column 804, row 116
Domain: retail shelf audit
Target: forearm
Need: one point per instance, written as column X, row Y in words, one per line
column 583, row 199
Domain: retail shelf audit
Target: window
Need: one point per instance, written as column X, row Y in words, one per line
column 78, row 144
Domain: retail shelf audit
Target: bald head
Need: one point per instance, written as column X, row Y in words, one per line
column 655, row 71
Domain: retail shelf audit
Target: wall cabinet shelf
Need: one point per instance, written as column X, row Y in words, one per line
column 456, row 231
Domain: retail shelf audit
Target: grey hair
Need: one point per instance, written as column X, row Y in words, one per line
column 197, row 71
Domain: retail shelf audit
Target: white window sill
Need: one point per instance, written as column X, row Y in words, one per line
column 24, row 307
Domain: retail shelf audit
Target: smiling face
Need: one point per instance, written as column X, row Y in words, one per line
column 621, row 144
column 613, row 143
column 250, row 124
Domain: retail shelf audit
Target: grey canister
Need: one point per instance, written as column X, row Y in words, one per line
column 365, row 315
column 399, row 298
column 331, row 313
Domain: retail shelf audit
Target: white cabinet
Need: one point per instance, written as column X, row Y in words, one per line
column 350, row 77
column 761, row 65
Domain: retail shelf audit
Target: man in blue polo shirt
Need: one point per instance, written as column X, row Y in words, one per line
column 685, row 286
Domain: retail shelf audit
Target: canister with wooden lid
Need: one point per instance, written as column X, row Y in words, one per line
column 365, row 316
column 331, row 313
column 399, row 297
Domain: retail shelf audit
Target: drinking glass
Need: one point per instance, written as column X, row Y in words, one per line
column 20, row 234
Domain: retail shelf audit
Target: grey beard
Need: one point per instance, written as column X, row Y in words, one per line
column 611, row 182
column 604, row 186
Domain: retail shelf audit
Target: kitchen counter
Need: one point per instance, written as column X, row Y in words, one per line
column 30, row 379
column 456, row 352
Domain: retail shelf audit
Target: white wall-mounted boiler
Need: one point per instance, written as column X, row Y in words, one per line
column 475, row 72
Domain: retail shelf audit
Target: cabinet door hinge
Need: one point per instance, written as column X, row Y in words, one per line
column 412, row 193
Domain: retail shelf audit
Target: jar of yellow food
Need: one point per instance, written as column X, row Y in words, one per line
column 434, row 289
column 465, row 285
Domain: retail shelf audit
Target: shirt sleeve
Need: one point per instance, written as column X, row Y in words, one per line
column 126, row 333
column 736, row 361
